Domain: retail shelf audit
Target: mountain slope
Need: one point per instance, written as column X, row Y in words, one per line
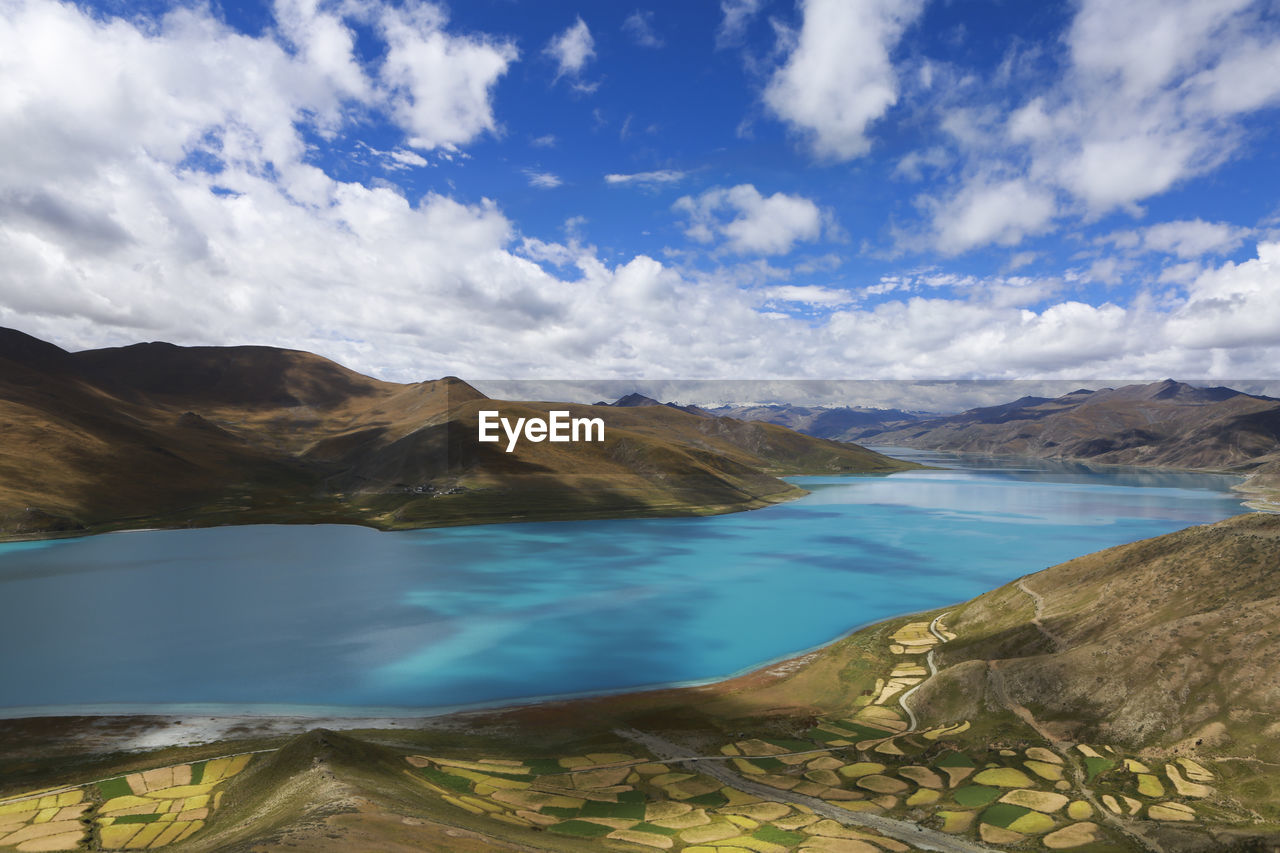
column 1145, row 644
column 159, row 435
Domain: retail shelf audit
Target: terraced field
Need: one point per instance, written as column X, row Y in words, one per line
column 636, row 801
column 138, row 811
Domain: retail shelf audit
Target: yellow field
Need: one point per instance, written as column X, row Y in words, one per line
column 1032, row 823
column 1171, row 811
column 1041, row 801
column 1079, row 810
column 1003, row 777
column 1149, row 785
column 1075, row 835
column 57, row 821
column 1052, row 772
column 1184, row 787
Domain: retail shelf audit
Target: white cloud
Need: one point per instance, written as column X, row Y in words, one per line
column 839, row 79
column 913, row 165
column 1232, row 307
column 397, row 159
column 1143, row 107
column 1020, row 260
column 1154, row 93
column 440, row 84
column 639, row 25
column 542, row 180
column 1181, row 273
column 1188, row 238
column 326, row 44
column 999, row 211
column 1109, row 270
column 809, row 295
column 112, row 232
column 547, row 141
column 749, row 222
column 737, row 15
column 646, row 179
column 572, row 50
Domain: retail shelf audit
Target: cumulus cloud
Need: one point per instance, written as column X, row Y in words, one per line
column 838, row 79
column 440, row 84
column 639, row 25
column 156, row 183
column 751, row 223
column 1154, row 93
column 996, row 211
column 1188, row 238
column 572, row 50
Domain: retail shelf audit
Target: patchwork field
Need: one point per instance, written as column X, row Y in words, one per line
column 137, row 811
column 636, row 801
column 874, row 761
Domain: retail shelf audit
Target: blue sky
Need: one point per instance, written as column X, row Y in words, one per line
column 744, row 189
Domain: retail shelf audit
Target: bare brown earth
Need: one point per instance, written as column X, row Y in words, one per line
column 159, row 435
column 1147, row 644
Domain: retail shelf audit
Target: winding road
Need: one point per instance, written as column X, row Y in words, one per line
column 933, row 670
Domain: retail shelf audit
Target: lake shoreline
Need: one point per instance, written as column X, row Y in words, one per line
column 821, row 565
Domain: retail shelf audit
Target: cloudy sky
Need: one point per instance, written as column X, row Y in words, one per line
column 744, row 189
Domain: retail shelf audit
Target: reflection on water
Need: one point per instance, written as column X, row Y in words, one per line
column 344, row 616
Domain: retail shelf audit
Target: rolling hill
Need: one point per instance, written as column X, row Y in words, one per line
column 159, row 435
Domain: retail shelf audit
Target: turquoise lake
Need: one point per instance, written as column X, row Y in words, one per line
column 277, row 619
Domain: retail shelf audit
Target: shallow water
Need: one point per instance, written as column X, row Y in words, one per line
column 270, row 618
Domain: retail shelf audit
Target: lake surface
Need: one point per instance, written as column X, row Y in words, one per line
column 272, row 618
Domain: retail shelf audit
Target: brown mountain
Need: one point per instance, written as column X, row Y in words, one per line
column 159, row 435
column 1165, row 423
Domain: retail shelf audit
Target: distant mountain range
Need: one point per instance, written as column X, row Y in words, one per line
column 160, row 435
column 837, row 423
column 1165, row 423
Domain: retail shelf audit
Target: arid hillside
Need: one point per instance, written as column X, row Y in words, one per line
column 159, row 435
